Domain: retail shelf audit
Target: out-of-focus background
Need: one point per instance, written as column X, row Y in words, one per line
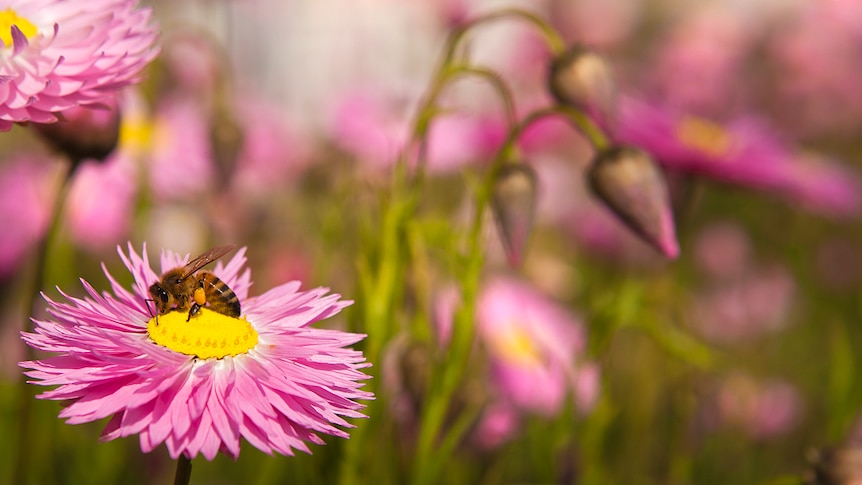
column 276, row 125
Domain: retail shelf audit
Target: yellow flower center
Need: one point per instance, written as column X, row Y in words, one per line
column 136, row 134
column 9, row 18
column 516, row 346
column 703, row 135
column 207, row 335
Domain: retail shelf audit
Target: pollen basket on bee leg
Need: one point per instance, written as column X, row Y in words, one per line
column 200, row 296
column 209, row 335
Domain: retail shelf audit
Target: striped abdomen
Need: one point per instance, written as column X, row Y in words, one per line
column 215, row 292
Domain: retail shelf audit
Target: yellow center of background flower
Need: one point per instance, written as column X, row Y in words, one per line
column 8, row 18
column 136, row 134
column 207, row 335
column 515, row 345
column 704, row 136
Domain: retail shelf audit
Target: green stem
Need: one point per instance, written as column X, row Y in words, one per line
column 184, row 471
column 427, row 112
column 48, row 241
column 555, row 42
column 25, row 395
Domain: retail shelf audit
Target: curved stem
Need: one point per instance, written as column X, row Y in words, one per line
column 582, row 122
column 555, row 42
column 427, row 111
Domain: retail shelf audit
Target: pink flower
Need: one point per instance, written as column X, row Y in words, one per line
column 533, row 345
column 59, row 54
column 743, row 152
column 27, row 186
column 535, row 348
column 376, row 132
column 181, row 159
column 699, row 62
column 763, row 409
column 268, row 376
column 274, row 152
column 100, row 201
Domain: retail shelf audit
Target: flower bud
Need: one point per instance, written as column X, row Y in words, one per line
column 85, row 132
column 514, row 207
column 628, row 181
column 583, row 79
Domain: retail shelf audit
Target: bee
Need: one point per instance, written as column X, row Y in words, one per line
column 186, row 288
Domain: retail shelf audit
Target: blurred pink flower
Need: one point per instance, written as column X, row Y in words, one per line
column 754, row 304
column 533, row 345
column 497, row 425
column 376, row 131
column 181, row 164
column 193, row 62
column 274, row 379
column 697, row 66
column 763, row 410
column 273, row 153
column 59, row 54
column 743, row 152
column 28, row 186
column 815, row 57
column 99, row 204
column 535, row 348
column 722, row 250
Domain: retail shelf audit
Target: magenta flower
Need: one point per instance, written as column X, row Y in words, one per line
column 58, row 54
column 268, row 376
column 533, row 345
column 743, row 152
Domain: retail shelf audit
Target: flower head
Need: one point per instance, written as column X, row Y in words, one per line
column 57, row 55
column 266, row 376
column 533, row 345
column 743, row 152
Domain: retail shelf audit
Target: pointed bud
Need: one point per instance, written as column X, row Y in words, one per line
column 514, row 206
column 631, row 184
column 583, row 79
column 85, row 132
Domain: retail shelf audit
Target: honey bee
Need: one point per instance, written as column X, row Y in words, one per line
column 186, row 288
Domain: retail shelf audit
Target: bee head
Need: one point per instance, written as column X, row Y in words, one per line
column 160, row 296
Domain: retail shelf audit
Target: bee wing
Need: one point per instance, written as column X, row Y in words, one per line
column 205, row 259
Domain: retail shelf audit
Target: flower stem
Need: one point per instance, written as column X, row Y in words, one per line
column 184, row 470
column 25, row 397
column 552, row 37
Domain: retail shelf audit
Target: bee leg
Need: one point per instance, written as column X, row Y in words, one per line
column 193, row 310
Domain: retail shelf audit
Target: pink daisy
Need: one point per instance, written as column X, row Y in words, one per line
column 743, row 152
column 60, row 54
column 267, row 376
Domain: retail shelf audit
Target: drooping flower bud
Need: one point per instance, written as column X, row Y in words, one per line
column 583, row 79
column 514, row 207
column 84, row 133
column 629, row 182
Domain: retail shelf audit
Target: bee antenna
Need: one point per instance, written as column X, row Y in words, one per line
column 150, row 310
